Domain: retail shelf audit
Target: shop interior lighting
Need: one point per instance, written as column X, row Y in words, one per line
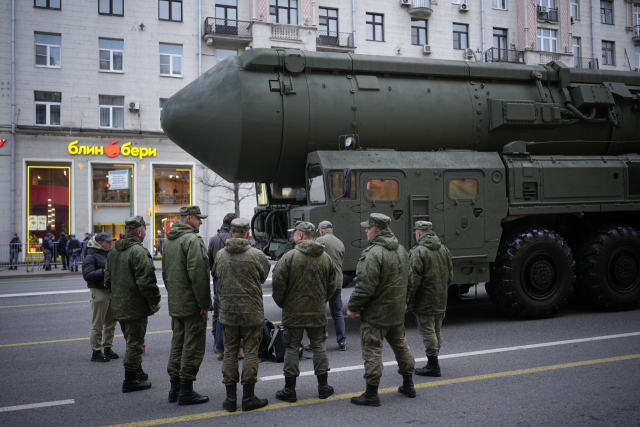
column 65, row 173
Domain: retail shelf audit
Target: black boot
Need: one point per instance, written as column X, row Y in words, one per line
column 131, row 382
column 431, row 369
column 368, row 398
column 230, row 403
column 324, row 389
column 249, row 399
column 111, row 355
column 189, row 397
column 288, row 393
column 174, row 390
column 142, row 375
column 407, row 387
column 97, row 356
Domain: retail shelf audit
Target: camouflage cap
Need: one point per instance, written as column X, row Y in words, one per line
column 240, row 225
column 303, row 226
column 377, row 220
column 134, row 222
column 423, row 226
column 191, row 210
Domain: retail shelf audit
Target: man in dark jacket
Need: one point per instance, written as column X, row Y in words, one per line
column 102, row 323
column 87, row 237
column 15, row 247
column 74, row 247
column 47, row 250
column 62, row 250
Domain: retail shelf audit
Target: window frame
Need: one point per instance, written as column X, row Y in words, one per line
column 426, row 32
column 340, row 173
column 49, row 46
column 171, row 11
column 48, row 6
column 575, row 3
column 111, row 107
column 576, row 46
column 504, row 3
column 309, row 186
column 288, row 8
column 466, row 33
column 48, row 105
column 226, row 8
column 110, row 70
column 636, row 54
column 541, row 37
column 381, row 178
column 548, row 3
column 463, row 178
column 603, row 12
column 171, row 56
column 328, row 18
column 612, row 49
column 374, row 24
column 111, row 9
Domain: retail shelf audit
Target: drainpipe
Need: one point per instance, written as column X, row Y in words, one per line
column 199, row 37
column 204, row 174
column 593, row 48
column 482, row 23
column 13, row 118
column 353, row 20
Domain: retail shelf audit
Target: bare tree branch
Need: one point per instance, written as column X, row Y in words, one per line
column 229, row 192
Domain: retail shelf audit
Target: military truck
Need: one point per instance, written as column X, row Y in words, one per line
column 529, row 173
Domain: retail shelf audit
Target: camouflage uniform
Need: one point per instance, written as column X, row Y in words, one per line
column 241, row 270
column 185, row 270
column 380, row 296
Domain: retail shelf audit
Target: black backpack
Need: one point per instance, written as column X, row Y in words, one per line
column 272, row 346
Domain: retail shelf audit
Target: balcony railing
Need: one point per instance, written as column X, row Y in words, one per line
column 504, row 55
column 172, row 199
column 548, row 14
column 417, row 4
column 581, row 62
column 112, row 196
column 291, row 32
column 227, row 27
column 333, row 38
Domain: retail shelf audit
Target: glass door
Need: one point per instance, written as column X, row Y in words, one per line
column 500, row 45
column 226, row 17
column 328, row 28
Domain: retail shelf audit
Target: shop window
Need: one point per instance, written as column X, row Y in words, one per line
column 106, row 191
column 172, row 186
column 463, row 188
column 336, row 185
column 382, row 189
column 48, row 201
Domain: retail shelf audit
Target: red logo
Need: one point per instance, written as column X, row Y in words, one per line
column 2, row 141
column 112, row 150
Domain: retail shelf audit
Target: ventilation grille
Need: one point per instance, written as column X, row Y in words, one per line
column 634, row 179
column 530, row 190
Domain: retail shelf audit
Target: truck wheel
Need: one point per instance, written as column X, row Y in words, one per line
column 533, row 276
column 608, row 269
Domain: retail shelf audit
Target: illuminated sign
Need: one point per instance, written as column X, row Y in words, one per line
column 110, row 150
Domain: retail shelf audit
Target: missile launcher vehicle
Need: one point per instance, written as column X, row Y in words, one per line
column 530, row 174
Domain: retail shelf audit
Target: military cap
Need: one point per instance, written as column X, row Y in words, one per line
column 303, row 226
column 240, row 225
column 134, row 222
column 377, row 220
column 104, row 237
column 423, row 226
column 324, row 224
column 191, row 210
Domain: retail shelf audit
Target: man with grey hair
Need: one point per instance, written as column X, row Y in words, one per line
column 433, row 274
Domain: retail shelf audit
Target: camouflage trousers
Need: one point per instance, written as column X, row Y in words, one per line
column 231, row 336
column 133, row 331
column 429, row 326
column 371, row 340
column 187, row 346
column 292, row 338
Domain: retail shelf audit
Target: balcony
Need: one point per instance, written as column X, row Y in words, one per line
column 636, row 35
column 227, row 31
column 420, row 9
column 111, row 197
column 581, row 62
column 173, row 198
column 547, row 14
column 533, row 57
column 504, row 55
column 285, row 32
column 331, row 41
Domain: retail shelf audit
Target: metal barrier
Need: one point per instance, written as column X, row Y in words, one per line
column 31, row 256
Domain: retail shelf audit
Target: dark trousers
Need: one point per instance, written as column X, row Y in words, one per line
column 217, row 326
column 335, row 307
column 64, row 260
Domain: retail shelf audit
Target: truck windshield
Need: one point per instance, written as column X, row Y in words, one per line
column 315, row 184
column 261, row 193
column 282, row 193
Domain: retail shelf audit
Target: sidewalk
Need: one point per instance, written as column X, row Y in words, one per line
column 21, row 272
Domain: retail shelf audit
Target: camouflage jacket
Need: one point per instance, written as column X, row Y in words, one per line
column 433, row 274
column 131, row 276
column 383, row 275
column 185, row 271
column 240, row 271
column 335, row 249
column 303, row 282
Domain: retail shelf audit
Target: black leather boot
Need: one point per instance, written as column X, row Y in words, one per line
column 97, row 356
column 111, row 355
column 174, row 390
column 142, row 375
column 288, row 393
column 368, row 398
column 230, row 403
column 324, row 389
column 249, row 399
column 407, row 387
column 431, row 369
column 132, row 383
column 189, row 397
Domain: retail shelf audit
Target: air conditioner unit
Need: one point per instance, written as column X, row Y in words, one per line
column 464, row 7
column 134, row 106
column 426, row 50
column 405, row 2
column 543, row 9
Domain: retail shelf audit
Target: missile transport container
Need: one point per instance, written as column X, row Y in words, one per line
column 529, row 174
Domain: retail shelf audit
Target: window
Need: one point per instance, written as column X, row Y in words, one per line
column 103, row 193
column 463, row 188
column 48, row 50
column 261, row 193
column 283, row 11
column 419, row 31
column 163, row 102
column 47, row 4
column 575, row 9
column 111, row 111
column 606, row 12
column 459, row 1
column 636, row 51
column 375, row 27
column 499, row 4
column 608, row 54
column 575, row 44
column 328, row 25
column 47, row 108
column 48, row 202
column 111, row 55
column 460, row 36
column 316, row 184
column 382, row 189
column 550, row 4
column 170, row 10
column 335, row 178
column 225, row 53
column 111, row 7
column 170, row 59
column 636, row 15
column 547, row 40
column 500, row 38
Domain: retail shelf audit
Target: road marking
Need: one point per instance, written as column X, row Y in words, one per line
column 49, row 303
column 37, row 405
column 470, row 353
column 207, row 415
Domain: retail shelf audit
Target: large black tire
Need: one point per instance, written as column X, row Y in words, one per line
column 608, row 269
column 533, row 275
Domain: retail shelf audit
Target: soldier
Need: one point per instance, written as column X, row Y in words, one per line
column 131, row 277
column 381, row 296
column 240, row 271
column 303, row 281
column 433, row 274
column 185, row 271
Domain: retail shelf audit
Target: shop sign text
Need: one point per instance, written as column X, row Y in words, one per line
column 111, row 150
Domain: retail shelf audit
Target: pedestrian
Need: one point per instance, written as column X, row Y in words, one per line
column 47, row 249
column 102, row 323
column 335, row 249
column 433, row 274
column 185, row 272
column 304, row 280
column 85, row 242
column 216, row 243
column 62, row 250
column 240, row 271
column 175, row 190
column 131, row 277
column 159, row 244
column 73, row 251
column 54, row 252
column 15, row 247
column 380, row 296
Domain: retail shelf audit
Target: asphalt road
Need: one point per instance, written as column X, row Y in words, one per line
column 496, row 371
